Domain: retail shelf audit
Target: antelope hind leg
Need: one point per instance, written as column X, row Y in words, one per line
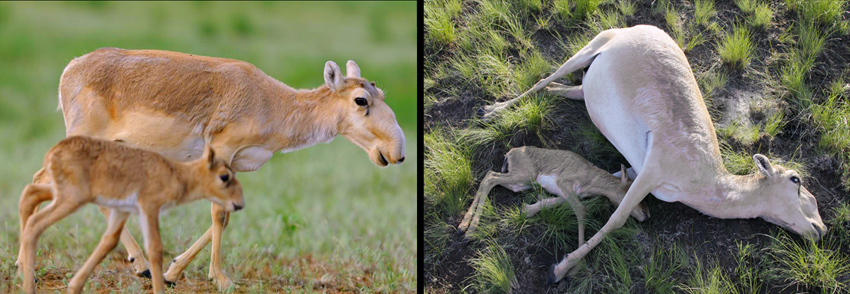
column 134, row 253
column 514, row 180
column 109, row 240
column 32, row 196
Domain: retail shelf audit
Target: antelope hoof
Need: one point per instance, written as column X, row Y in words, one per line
column 170, row 284
column 145, row 274
column 221, row 280
column 551, row 279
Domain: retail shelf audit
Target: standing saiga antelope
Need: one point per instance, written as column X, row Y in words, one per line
column 175, row 104
column 640, row 92
column 560, row 172
column 125, row 180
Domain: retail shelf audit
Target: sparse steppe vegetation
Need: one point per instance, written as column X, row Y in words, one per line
column 776, row 80
column 323, row 219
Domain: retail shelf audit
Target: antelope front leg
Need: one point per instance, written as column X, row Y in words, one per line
column 134, row 252
column 108, row 241
column 639, row 189
column 220, row 219
column 153, row 244
column 544, row 203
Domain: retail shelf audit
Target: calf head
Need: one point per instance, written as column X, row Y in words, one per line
column 218, row 182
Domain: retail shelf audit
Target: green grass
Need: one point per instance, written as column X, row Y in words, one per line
column 494, row 272
column 626, row 7
column 807, row 264
column 821, row 12
column 736, row 49
column 447, row 172
column 298, row 232
column 438, row 20
column 707, row 280
column 658, row 272
column 703, row 11
column 747, row 269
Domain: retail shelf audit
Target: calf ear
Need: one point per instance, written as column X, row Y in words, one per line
column 763, row 164
column 624, row 175
column 210, row 155
column 352, row 70
column 333, row 76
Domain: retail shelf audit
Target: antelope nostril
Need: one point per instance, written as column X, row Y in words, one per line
column 817, row 228
column 400, row 160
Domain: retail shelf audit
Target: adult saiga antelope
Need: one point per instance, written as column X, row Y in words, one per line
column 640, row 92
column 560, row 172
column 175, row 103
column 125, row 180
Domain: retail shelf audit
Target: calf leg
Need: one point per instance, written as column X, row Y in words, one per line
column 639, row 189
column 153, row 244
column 220, row 219
column 36, row 225
column 134, row 252
column 544, row 203
column 32, row 196
column 516, row 180
column 115, row 221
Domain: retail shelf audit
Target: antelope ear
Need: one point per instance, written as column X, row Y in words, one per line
column 352, row 69
column 763, row 164
column 333, row 76
column 209, row 154
column 624, row 175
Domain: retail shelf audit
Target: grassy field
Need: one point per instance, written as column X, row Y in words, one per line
column 323, row 219
column 776, row 81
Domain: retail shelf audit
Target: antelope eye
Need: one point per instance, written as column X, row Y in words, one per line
column 224, row 178
column 361, row 101
column 795, row 180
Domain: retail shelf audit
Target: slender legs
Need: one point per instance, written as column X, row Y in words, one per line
column 149, row 218
column 134, row 252
column 35, row 225
column 516, row 181
column 220, row 218
column 115, row 221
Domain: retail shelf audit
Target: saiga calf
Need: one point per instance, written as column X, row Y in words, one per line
column 124, row 180
column 560, row 172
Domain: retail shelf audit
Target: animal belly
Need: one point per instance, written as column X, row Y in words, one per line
column 127, row 204
column 175, row 138
column 548, row 182
column 608, row 112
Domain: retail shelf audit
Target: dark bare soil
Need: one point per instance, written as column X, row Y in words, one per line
column 700, row 236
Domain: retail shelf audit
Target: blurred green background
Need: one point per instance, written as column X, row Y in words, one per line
column 323, row 218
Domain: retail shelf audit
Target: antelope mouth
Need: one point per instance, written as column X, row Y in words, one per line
column 382, row 159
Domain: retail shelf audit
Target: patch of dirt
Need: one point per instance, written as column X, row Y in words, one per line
column 700, row 236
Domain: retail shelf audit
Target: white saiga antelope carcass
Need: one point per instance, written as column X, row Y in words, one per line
column 176, row 103
column 560, row 172
column 641, row 93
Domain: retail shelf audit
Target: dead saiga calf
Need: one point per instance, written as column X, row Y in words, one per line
column 560, row 172
column 124, row 180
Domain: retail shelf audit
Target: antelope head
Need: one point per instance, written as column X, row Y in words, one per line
column 786, row 202
column 367, row 121
column 217, row 182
